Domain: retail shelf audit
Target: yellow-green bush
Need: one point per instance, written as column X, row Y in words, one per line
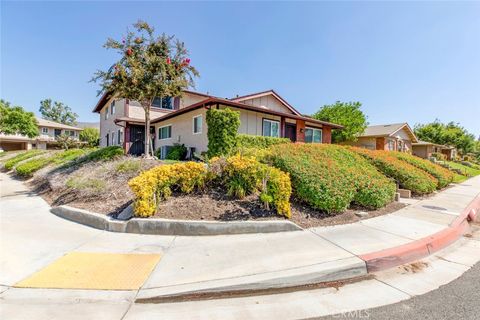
column 155, row 185
column 244, row 175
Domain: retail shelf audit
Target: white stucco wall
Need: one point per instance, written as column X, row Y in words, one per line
column 108, row 126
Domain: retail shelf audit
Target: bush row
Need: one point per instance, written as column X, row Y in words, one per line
column 330, row 177
column 260, row 142
column 239, row 175
column 10, row 163
column 444, row 176
column 27, row 168
column 408, row 176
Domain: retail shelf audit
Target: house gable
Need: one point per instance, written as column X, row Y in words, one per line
column 267, row 100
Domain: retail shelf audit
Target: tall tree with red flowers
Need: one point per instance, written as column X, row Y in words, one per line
column 150, row 66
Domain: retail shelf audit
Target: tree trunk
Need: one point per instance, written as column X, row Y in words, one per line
column 147, row 130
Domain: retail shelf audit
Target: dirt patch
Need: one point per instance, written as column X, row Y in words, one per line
column 414, row 267
column 97, row 186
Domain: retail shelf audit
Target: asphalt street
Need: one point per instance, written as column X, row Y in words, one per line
column 460, row 299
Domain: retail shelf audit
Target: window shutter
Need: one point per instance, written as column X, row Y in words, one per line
column 176, row 103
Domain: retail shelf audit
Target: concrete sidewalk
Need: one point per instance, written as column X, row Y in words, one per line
column 32, row 238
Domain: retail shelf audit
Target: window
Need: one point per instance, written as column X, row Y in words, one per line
column 106, row 113
column 391, row 145
column 112, row 107
column 165, row 132
column 163, row 103
column 119, row 137
column 70, row 133
column 45, row 130
column 113, row 138
column 197, row 124
column 313, row 135
column 271, row 128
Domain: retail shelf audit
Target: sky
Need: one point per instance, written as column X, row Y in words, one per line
column 404, row 61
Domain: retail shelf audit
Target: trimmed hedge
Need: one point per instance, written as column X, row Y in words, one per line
column 330, row 177
column 27, row 168
column 250, row 141
column 444, row 176
column 22, row 156
column 222, row 131
column 408, row 176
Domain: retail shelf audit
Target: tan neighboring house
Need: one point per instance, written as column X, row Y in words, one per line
column 392, row 137
column 48, row 131
column 182, row 120
column 424, row 149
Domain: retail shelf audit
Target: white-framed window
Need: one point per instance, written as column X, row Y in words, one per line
column 163, row 103
column 197, row 124
column 165, row 132
column 119, row 137
column 45, row 130
column 70, row 133
column 313, row 135
column 271, row 128
column 106, row 113
column 113, row 138
column 112, row 107
column 391, row 145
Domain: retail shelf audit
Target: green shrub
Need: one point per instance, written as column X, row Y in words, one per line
column 444, row 176
column 177, row 152
column 222, row 131
column 408, row 176
column 439, row 156
column 260, row 142
column 22, row 156
column 128, row 166
column 330, row 177
column 27, row 168
column 103, row 154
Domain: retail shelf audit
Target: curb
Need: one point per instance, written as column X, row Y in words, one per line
column 392, row 257
column 171, row 227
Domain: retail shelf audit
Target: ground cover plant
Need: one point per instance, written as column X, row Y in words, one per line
column 330, row 177
column 444, row 176
column 466, row 171
column 10, row 163
column 408, row 176
column 27, row 168
column 103, row 154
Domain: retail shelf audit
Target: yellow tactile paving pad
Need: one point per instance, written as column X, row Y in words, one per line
column 102, row 271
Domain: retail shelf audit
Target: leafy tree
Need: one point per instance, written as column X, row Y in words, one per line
column 15, row 120
column 66, row 141
column 451, row 134
column 91, row 136
column 349, row 115
column 58, row 112
column 150, row 66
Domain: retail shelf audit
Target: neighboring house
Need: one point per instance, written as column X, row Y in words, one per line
column 183, row 120
column 424, row 149
column 393, row 137
column 48, row 131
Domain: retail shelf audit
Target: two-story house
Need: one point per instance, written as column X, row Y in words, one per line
column 48, row 131
column 182, row 120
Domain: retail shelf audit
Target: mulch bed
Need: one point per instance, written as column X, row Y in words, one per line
column 216, row 206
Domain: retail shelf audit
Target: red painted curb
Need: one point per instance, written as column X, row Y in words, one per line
column 421, row 248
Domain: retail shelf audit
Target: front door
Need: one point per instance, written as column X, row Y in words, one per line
column 137, row 140
column 291, row 131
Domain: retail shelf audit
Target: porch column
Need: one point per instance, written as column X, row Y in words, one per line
column 326, row 134
column 300, row 130
column 282, row 127
column 126, row 138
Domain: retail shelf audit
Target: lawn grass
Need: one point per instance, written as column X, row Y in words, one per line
column 467, row 171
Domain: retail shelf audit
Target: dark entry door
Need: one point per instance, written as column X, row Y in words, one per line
column 291, row 132
column 137, row 139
